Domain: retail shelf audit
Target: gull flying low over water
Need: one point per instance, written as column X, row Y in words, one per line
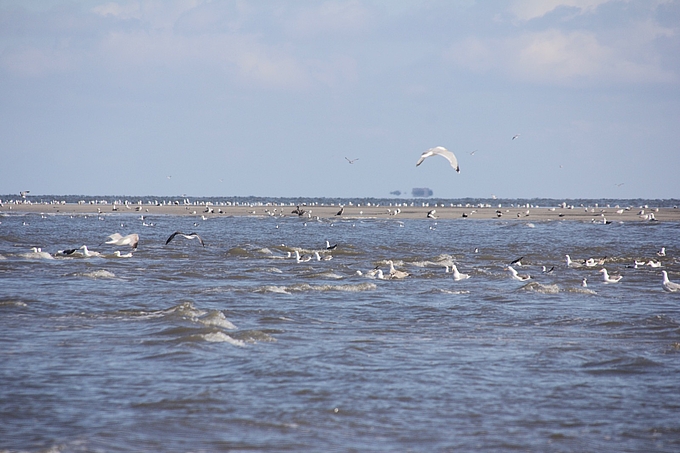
column 440, row 151
column 669, row 285
column 186, row 236
column 329, row 246
column 118, row 239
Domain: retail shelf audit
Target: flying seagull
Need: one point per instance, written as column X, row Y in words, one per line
column 187, row 236
column 118, row 239
column 441, row 151
column 351, row 161
column 515, row 136
column 23, row 193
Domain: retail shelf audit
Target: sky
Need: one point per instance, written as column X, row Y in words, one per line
column 270, row 98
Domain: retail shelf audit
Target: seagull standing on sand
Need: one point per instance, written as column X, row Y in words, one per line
column 186, row 236
column 607, row 279
column 440, row 151
column 516, row 276
column 669, row 285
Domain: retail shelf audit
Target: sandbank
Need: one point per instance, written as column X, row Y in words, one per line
column 442, row 212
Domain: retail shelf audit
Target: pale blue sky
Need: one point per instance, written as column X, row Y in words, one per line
column 267, row 98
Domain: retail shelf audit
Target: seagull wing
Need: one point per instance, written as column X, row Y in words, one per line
column 197, row 237
column 441, row 151
column 114, row 238
column 172, row 236
column 424, row 156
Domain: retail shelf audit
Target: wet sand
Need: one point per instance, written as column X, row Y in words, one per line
column 589, row 214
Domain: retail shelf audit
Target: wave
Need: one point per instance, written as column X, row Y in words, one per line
column 539, row 288
column 100, row 273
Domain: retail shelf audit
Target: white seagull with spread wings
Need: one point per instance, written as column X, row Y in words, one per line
column 440, row 151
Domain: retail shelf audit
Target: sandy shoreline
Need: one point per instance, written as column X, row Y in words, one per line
column 592, row 213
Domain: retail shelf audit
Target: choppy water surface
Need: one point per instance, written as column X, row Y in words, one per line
column 236, row 347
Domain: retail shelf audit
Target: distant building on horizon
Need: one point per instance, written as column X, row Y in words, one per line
column 420, row 192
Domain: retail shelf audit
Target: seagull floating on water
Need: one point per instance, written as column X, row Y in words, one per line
column 584, row 283
column 440, row 151
column 186, row 236
column 518, row 261
column 662, row 252
column 117, row 254
column 457, row 275
column 394, row 273
column 608, row 279
column 669, row 285
column 89, row 253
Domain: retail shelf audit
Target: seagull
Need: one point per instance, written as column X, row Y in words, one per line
column 187, row 236
column 320, row 258
column 516, row 276
column 515, row 136
column 342, row 209
column 88, row 253
column 36, row 252
column 66, row 252
column 23, row 193
column 457, row 275
column 651, row 263
column 548, row 271
column 395, row 273
column 329, row 246
column 570, row 263
column 669, row 285
column 584, row 283
column 430, row 214
column 608, row 279
column 117, row 239
column 441, row 151
column 473, row 152
column 518, row 261
column 351, row 161
column 117, row 254
column 299, row 259
column 662, row 252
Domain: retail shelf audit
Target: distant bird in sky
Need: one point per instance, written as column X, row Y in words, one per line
column 473, row 152
column 515, row 136
column 24, row 193
column 351, row 161
column 619, row 184
column 187, row 236
column 169, row 176
column 440, row 151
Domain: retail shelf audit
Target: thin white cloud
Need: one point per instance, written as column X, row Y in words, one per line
column 331, row 17
column 556, row 57
column 532, row 9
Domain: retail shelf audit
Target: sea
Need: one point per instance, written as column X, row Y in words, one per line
column 238, row 346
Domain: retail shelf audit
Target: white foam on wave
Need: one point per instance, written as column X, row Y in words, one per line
column 217, row 319
column 100, row 273
column 451, row 291
column 349, row 288
column 272, row 289
column 221, row 337
column 580, row 290
column 537, row 287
